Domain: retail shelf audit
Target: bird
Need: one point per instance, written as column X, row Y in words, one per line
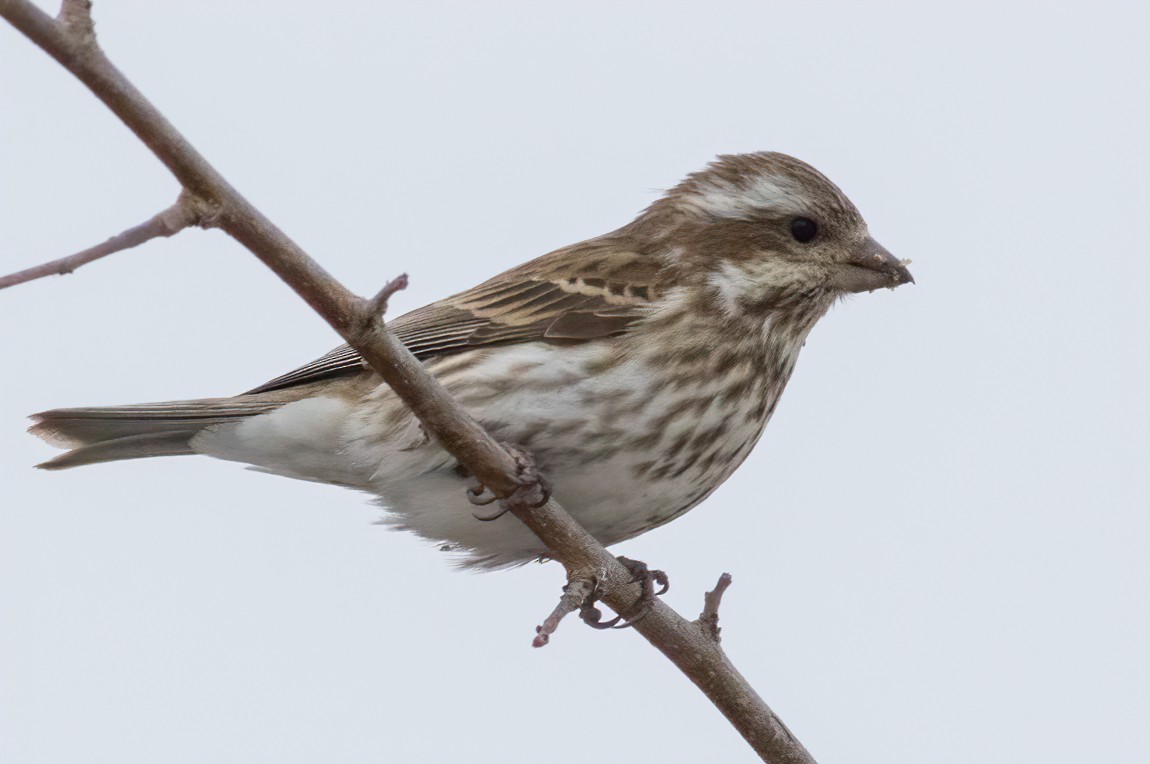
column 639, row 368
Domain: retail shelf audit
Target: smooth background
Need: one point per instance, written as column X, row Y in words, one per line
column 941, row 548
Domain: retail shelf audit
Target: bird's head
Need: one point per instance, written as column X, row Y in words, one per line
column 765, row 229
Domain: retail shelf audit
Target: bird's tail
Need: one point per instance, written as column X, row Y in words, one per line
column 96, row 435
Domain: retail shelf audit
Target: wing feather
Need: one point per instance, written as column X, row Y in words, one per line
column 586, row 292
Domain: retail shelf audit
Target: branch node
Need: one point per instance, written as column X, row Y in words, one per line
column 191, row 210
column 709, row 618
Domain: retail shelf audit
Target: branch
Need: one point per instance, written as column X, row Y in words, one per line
column 185, row 213
column 709, row 618
column 577, row 591
column 71, row 41
column 378, row 305
column 690, row 645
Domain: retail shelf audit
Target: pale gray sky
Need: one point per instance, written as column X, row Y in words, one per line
column 941, row 547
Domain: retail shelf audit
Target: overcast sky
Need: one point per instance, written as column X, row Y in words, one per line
column 941, row 546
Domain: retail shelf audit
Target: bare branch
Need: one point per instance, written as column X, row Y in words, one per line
column 709, row 618
column 693, row 651
column 688, row 647
column 185, row 213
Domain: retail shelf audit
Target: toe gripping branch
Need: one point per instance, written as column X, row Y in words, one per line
column 582, row 590
column 640, row 574
column 533, row 490
column 581, row 593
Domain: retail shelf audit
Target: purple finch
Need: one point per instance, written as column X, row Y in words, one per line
column 639, row 367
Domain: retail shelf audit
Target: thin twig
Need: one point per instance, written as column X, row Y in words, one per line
column 185, row 213
column 377, row 306
column 575, row 593
column 709, row 618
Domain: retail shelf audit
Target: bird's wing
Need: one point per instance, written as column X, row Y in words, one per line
column 582, row 293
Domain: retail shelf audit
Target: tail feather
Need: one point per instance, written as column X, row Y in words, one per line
column 130, row 447
column 134, row 432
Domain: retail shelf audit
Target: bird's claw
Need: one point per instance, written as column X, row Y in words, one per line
column 593, row 616
column 481, row 496
column 640, row 574
column 533, row 491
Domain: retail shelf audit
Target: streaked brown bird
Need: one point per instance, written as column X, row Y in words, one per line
column 639, row 367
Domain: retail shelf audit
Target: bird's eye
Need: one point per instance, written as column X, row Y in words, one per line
column 804, row 229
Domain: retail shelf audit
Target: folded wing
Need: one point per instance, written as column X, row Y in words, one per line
column 583, row 293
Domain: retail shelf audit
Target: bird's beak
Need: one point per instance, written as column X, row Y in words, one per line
column 869, row 266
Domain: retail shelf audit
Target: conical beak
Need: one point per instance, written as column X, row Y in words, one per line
column 869, row 266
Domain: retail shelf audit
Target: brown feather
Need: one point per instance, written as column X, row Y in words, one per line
column 589, row 291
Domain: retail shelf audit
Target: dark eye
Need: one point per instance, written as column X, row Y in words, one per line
column 804, row 229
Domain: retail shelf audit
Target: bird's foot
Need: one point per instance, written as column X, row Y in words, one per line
column 643, row 574
column 640, row 574
column 593, row 616
column 582, row 592
column 481, row 496
column 533, row 491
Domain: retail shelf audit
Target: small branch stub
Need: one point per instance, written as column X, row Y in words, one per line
column 76, row 17
column 377, row 305
column 575, row 593
column 709, row 618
